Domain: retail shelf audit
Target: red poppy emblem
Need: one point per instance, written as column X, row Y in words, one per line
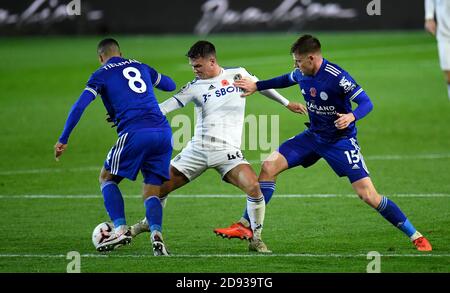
column 225, row 82
column 313, row 92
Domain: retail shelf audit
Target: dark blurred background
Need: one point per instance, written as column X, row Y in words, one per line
column 204, row 17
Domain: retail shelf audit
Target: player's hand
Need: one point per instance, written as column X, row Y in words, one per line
column 59, row 149
column 247, row 85
column 344, row 120
column 430, row 26
column 297, row 108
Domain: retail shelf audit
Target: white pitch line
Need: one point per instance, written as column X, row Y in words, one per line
column 52, row 170
column 97, row 168
column 306, row 255
column 174, row 196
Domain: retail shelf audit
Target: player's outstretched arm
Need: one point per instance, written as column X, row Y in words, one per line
column 292, row 106
column 275, row 83
column 165, row 83
column 297, row 108
column 247, row 85
column 74, row 116
column 170, row 105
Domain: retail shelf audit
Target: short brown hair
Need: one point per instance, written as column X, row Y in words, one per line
column 108, row 46
column 306, row 44
column 201, row 49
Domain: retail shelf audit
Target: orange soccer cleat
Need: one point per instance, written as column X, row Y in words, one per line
column 236, row 230
column 422, row 244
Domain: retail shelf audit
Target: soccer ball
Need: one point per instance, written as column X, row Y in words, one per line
column 101, row 233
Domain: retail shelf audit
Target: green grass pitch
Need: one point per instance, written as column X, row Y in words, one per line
column 405, row 140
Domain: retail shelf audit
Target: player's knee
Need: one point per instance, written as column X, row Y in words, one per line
column 368, row 195
column 269, row 168
column 103, row 177
column 253, row 189
column 164, row 191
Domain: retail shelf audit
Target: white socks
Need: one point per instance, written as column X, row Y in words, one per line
column 256, row 209
column 122, row 229
column 415, row 236
column 244, row 222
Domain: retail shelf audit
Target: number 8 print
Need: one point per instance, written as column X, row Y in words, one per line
column 132, row 80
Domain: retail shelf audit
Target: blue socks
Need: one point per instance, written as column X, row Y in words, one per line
column 391, row 212
column 267, row 189
column 115, row 207
column 153, row 213
column 114, row 203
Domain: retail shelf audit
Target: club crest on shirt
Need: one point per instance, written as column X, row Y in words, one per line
column 225, row 82
column 323, row 96
column 313, row 92
column 237, row 77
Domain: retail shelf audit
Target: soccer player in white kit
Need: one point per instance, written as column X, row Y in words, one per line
column 440, row 8
column 216, row 142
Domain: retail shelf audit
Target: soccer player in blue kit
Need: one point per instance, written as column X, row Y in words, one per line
column 328, row 91
column 126, row 89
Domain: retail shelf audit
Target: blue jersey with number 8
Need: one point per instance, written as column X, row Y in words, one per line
column 126, row 88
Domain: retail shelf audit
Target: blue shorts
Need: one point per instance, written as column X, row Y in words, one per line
column 148, row 150
column 343, row 156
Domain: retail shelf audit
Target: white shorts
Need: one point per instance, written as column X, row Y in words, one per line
column 194, row 160
column 444, row 54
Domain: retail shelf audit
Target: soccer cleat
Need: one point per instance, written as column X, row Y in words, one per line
column 236, row 230
column 422, row 244
column 159, row 249
column 139, row 227
column 258, row 245
column 114, row 241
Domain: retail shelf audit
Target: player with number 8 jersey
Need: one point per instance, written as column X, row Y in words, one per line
column 144, row 144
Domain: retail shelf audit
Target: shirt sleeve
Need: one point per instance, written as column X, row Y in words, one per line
column 86, row 97
column 185, row 95
column 170, row 105
column 270, row 93
column 429, row 9
column 95, row 84
column 364, row 106
column 348, row 87
column 282, row 81
column 160, row 81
